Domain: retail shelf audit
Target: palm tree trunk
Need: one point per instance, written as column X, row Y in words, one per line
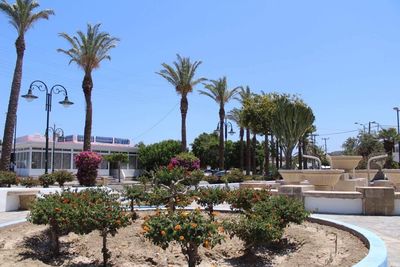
column 184, row 109
column 241, row 134
column 300, row 155
column 288, row 159
column 253, row 154
column 12, row 106
column 221, row 137
column 248, row 150
column 266, row 156
column 87, row 86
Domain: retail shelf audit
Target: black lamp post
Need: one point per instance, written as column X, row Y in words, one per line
column 56, row 89
column 397, row 109
column 56, row 133
column 362, row 124
column 231, row 132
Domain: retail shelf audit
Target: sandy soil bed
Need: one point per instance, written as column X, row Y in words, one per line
column 303, row 245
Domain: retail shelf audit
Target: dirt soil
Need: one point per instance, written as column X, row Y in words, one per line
column 308, row 244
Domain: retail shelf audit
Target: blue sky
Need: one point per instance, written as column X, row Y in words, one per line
column 341, row 57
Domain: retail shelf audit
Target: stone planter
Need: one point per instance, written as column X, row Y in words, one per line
column 364, row 173
column 393, row 176
column 347, row 163
column 291, row 176
column 323, row 180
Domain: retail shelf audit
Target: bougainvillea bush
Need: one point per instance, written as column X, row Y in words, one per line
column 185, row 160
column 189, row 229
column 87, row 163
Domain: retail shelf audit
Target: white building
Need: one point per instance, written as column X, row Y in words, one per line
column 30, row 154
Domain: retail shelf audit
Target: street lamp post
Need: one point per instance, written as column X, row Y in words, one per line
column 326, row 147
column 369, row 126
column 231, row 132
column 56, row 133
column 56, row 89
column 397, row 109
column 361, row 124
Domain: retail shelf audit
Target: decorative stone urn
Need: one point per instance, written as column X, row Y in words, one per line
column 323, row 180
column 393, row 176
column 292, row 176
column 347, row 163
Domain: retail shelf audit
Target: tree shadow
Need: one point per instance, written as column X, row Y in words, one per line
column 264, row 255
column 37, row 247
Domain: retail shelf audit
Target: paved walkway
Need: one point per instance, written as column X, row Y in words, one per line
column 386, row 227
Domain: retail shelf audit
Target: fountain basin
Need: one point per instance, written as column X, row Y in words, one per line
column 292, row 176
column 393, row 176
column 322, row 179
column 347, row 163
column 364, row 173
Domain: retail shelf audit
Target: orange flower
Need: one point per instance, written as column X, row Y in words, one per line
column 206, row 244
column 177, row 227
column 66, row 201
column 221, row 229
column 57, row 209
column 146, row 228
column 163, row 233
column 181, row 238
column 193, row 225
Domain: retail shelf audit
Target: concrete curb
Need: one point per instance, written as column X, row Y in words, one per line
column 377, row 255
column 12, row 223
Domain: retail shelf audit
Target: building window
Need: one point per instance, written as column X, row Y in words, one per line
column 132, row 161
column 66, row 161
column 36, row 160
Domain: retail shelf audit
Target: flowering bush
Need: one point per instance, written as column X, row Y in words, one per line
column 7, row 178
column 266, row 220
column 185, row 160
column 87, row 163
column 189, row 229
column 46, row 179
column 245, row 198
column 62, row 177
column 210, row 197
column 136, row 195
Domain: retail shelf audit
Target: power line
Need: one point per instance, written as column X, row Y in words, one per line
column 352, row 131
column 157, row 123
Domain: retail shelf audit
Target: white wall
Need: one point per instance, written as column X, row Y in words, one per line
column 397, row 206
column 333, row 205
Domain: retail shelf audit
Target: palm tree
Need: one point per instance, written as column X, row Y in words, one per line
column 235, row 115
column 245, row 95
column 87, row 51
column 22, row 17
column 181, row 76
column 219, row 92
column 291, row 119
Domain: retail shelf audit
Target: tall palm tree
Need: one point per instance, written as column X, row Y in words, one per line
column 235, row 115
column 22, row 18
column 181, row 76
column 87, row 51
column 219, row 92
column 245, row 95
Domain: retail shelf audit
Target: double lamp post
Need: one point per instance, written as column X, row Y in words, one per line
column 56, row 89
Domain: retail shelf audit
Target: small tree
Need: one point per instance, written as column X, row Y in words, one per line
column 87, row 163
column 117, row 158
column 189, row 229
column 244, row 198
column 104, row 213
column 7, row 178
column 62, row 177
column 46, row 179
column 157, row 154
column 55, row 210
column 210, row 197
column 136, row 195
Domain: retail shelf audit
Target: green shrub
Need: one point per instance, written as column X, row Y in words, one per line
column 7, row 178
column 193, row 178
column 212, row 179
column 234, row 176
column 62, row 177
column 136, row 195
column 189, row 229
column 29, row 182
column 245, row 198
column 210, row 197
column 47, row 179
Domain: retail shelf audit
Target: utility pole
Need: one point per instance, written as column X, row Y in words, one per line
column 326, row 147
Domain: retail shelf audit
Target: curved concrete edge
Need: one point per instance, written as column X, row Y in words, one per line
column 377, row 255
column 12, row 223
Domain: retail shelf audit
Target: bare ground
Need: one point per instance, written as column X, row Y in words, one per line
column 308, row 244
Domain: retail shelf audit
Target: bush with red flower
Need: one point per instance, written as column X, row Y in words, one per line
column 185, row 160
column 87, row 163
